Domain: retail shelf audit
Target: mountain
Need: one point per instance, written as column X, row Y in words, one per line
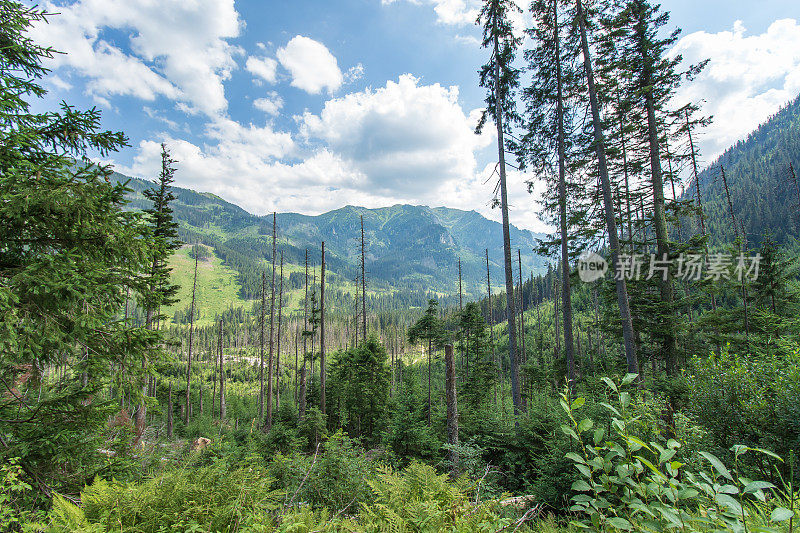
column 408, row 246
column 765, row 198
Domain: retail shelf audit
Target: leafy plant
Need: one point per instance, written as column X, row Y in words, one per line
column 628, row 484
column 14, row 495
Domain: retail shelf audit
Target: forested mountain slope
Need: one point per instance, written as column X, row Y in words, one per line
column 764, row 195
column 407, row 247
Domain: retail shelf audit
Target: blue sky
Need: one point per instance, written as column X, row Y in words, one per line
column 311, row 105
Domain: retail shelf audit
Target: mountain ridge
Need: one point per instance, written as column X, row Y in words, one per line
column 409, row 246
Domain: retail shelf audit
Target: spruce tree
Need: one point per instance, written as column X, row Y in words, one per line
column 482, row 378
column 501, row 79
column 428, row 328
column 69, row 253
column 161, row 291
column 654, row 78
column 605, row 183
column 546, row 144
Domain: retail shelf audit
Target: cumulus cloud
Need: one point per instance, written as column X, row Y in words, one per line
column 271, row 105
column 456, row 12
column 265, row 68
column 232, row 165
column 311, row 64
column 175, row 49
column 465, row 13
column 747, row 78
column 402, row 143
column 405, row 137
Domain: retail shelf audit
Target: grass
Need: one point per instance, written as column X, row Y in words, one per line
column 217, row 286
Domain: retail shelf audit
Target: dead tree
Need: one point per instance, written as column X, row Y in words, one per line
column 169, row 411
column 464, row 357
column 322, row 333
column 222, row 406
column 490, row 318
column 742, row 244
column 363, row 282
column 302, row 399
column 262, row 342
column 278, row 347
column 191, row 334
column 452, row 407
column 272, row 322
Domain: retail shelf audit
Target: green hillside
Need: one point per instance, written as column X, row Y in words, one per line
column 764, row 196
column 409, row 248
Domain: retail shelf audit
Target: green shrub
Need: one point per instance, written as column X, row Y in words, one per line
column 627, row 484
column 336, row 477
column 752, row 400
column 16, row 496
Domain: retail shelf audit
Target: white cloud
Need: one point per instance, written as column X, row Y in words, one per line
column 354, row 73
column 468, row 40
column 233, row 166
column 270, row 105
column 311, row 64
column 465, row 13
column 265, row 68
column 456, row 12
column 177, row 49
column 402, row 143
column 405, row 137
column 477, row 191
column 746, row 80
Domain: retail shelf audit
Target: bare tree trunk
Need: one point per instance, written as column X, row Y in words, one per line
column 512, row 334
column 278, row 348
column 430, row 349
column 566, row 289
column 452, row 407
column 670, row 345
column 490, row 319
column 322, row 366
column 313, row 327
column 464, row 357
column 611, row 224
column 355, row 313
column 742, row 240
column 272, row 321
column 261, row 344
column 302, row 398
column 170, row 408
column 222, row 407
column 363, row 282
column 191, row 336
column 625, row 174
column 524, row 354
column 214, row 382
column 696, row 175
column 394, row 359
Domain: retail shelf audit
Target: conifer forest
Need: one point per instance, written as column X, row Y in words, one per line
column 468, row 266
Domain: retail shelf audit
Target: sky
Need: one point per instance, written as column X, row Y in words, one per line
column 310, row 105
